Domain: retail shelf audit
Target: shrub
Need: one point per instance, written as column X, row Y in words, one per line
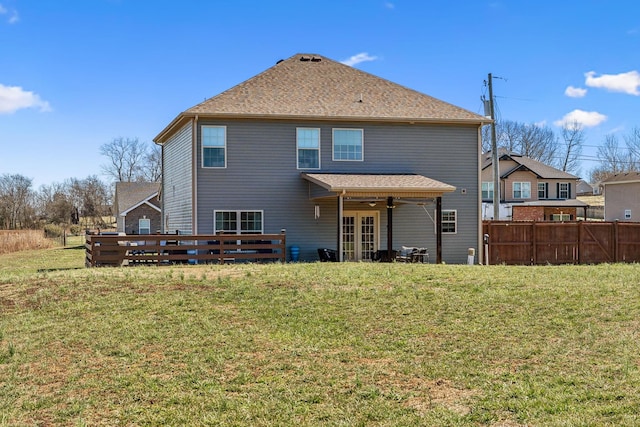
column 21, row 240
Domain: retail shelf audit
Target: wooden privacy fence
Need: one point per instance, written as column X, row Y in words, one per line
column 582, row 242
column 162, row 249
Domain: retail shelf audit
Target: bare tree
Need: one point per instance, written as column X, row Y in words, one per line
column 539, row 143
column 531, row 140
column 152, row 169
column 16, row 207
column 125, row 157
column 571, row 146
column 54, row 204
column 632, row 141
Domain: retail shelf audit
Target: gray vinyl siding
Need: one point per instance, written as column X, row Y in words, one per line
column 177, row 199
column 262, row 174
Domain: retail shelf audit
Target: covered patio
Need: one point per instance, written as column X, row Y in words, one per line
column 391, row 189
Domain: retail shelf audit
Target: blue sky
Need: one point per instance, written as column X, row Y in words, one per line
column 74, row 74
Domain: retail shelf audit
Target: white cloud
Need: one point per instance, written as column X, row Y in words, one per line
column 585, row 118
column 14, row 98
column 575, row 92
column 357, row 59
column 624, row 82
column 12, row 14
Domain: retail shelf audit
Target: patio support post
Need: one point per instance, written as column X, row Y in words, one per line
column 390, row 229
column 438, row 230
column 340, row 237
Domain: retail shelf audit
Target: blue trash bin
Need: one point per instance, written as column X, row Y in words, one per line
column 295, row 253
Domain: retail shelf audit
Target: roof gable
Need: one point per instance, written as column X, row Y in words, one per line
column 130, row 195
column 541, row 170
column 309, row 86
column 623, row 178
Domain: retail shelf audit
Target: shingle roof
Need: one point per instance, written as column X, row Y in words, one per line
column 620, row 178
column 542, row 170
column 129, row 194
column 309, row 86
column 408, row 185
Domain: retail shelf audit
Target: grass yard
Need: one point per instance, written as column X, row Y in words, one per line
column 317, row 344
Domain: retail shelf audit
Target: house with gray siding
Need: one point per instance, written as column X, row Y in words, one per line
column 337, row 157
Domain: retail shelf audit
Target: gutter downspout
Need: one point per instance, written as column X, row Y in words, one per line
column 194, row 175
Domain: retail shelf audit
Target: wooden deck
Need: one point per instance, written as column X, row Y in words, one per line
column 164, row 249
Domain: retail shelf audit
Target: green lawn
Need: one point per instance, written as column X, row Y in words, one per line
column 317, row 344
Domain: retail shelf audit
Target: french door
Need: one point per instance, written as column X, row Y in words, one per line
column 359, row 235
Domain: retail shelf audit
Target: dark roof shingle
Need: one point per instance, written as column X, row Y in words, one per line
column 309, row 86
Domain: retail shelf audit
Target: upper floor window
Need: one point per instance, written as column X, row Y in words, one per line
column 521, row 190
column 487, row 190
column 543, row 190
column 563, row 190
column 308, row 143
column 214, row 146
column 347, row 144
column 238, row 222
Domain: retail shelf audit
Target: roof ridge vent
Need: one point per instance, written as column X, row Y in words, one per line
column 305, row 58
column 316, row 59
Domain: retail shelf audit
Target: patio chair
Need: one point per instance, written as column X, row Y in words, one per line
column 406, row 254
column 327, row 255
column 420, row 255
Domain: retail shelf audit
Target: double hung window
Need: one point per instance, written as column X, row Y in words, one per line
column 543, row 190
column 521, row 190
column 308, row 143
column 348, row 144
column 214, row 146
column 449, row 221
column 487, row 190
column 563, row 190
column 144, row 226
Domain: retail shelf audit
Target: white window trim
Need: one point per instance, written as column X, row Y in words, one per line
column 202, row 147
column 319, row 152
column 513, row 189
column 560, row 184
column 238, row 219
column 333, row 145
column 148, row 221
column 490, row 191
column 455, row 222
column 545, row 189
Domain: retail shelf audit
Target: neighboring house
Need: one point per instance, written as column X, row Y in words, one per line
column 138, row 207
column 622, row 197
column 583, row 188
column 530, row 190
column 337, row 157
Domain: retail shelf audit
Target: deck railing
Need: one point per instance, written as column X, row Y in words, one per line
column 164, row 249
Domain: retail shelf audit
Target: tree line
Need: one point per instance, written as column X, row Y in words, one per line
column 87, row 201
column 78, row 202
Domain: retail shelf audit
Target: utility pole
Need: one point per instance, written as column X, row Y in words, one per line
column 494, row 154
